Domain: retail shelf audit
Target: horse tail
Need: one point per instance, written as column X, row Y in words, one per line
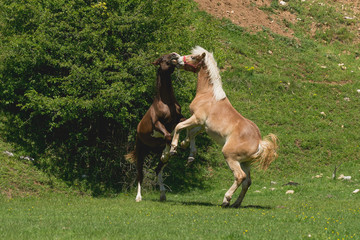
column 266, row 153
column 131, row 156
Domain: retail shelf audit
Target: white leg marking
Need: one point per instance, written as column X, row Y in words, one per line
column 138, row 196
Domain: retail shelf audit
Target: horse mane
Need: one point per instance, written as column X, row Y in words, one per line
column 213, row 71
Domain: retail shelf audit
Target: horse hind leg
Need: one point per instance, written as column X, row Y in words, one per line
column 190, row 140
column 141, row 152
column 239, row 176
column 193, row 151
column 159, row 172
column 245, row 184
column 140, row 177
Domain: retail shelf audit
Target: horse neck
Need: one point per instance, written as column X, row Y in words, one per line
column 164, row 88
column 203, row 83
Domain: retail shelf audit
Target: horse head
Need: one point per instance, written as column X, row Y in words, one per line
column 168, row 62
column 192, row 62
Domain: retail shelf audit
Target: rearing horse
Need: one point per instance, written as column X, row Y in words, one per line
column 154, row 129
column 239, row 137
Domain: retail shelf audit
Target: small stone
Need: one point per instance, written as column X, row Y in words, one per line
column 356, row 191
column 10, row 154
column 343, row 177
column 290, row 192
column 318, row 176
column 347, row 178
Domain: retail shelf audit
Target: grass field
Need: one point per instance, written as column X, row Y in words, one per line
column 305, row 90
column 311, row 212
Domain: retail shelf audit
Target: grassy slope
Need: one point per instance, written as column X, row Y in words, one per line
column 284, row 94
column 19, row 178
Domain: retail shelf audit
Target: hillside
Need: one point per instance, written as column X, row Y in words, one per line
column 254, row 15
column 19, row 178
column 293, row 69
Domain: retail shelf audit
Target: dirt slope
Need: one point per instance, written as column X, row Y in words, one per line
column 252, row 14
column 247, row 13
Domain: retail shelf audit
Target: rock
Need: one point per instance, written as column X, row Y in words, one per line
column 290, row 192
column 282, row 3
column 10, row 154
column 342, row 177
column 356, row 191
column 27, row 158
column 318, row 176
column 347, row 178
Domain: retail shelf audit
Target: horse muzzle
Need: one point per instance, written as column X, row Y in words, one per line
column 176, row 60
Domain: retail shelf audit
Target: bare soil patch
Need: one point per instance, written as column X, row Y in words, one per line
column 250, row 14
column 254, row 15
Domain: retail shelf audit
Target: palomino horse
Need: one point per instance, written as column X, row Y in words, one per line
column 239, row 137
column 154, row 129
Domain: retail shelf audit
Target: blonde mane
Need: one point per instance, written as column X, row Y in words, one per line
column 213, row 72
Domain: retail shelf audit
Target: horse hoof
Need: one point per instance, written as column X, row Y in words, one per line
column 138, row 200
column 190, row 160
column 184, row 144
column 162, row 198
column 225, row 205
column 235, row 205
column 165, row 159
column 172, row 152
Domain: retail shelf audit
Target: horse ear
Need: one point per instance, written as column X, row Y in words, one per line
column 157, row 62
column 203, row 55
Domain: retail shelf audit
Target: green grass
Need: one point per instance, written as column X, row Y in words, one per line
column 320, row 208
column 293, row 88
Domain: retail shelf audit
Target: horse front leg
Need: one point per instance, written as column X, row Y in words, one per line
column 167, row 136
column 185, row 124
column 190, row 139
column 161, row 128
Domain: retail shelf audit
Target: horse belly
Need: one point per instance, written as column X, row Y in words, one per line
column 219, row 139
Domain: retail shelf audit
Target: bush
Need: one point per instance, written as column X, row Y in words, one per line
column 76, row 78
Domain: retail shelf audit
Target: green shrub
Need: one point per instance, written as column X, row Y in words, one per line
column 76, row 78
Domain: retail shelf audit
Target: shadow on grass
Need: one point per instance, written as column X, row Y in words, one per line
column 208, row 204
column 257, row 207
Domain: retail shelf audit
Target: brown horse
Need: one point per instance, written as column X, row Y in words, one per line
column 154, row 129
column 239, row 137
